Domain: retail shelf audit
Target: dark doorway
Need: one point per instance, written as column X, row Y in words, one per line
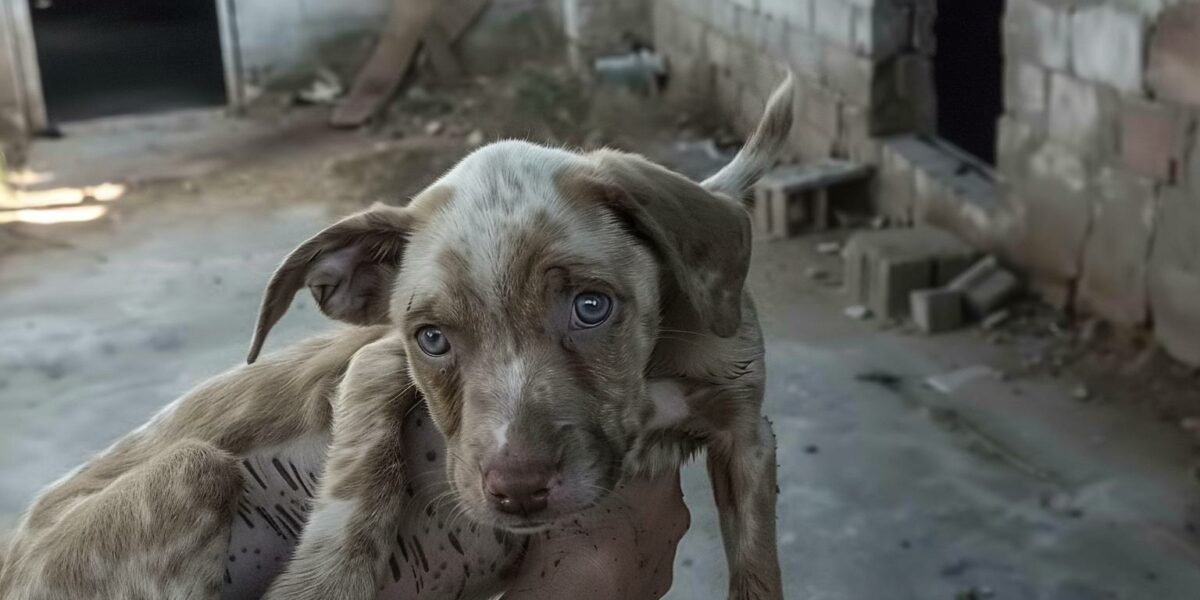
column 969, row 74
column 111, row 57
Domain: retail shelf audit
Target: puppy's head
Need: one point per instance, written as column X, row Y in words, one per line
column 531, row 285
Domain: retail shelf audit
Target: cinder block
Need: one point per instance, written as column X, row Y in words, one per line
column 833, row 21
column 881, row 29
column 1074, row 112
column 795, row 198
column 937, row 310
column 821, row 108
column 895, row 197
column 1107, row 46
column 893, row 280
column 848, row 74
column 1174, row 276
column 882, row 268
column 1173, row 72
column 1154, row 140
column 1025, row 90
column 1038, row 32
column 986, row 286
column 1113, row 283
column 797, row 13
column 804, row 54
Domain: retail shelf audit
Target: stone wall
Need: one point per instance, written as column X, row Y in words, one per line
column 863, row 65
column 1098, row 152
column 1096, row 194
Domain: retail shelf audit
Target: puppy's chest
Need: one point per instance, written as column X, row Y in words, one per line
column 669, row 433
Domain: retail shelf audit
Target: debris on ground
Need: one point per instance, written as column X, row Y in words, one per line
column 434, row 127
column 986, row 286
column 996, row 320
column 829, row 248
column 937, row 310
column 857, row 312
column 950, row 382
column 1081, row 393
column 475, row 138
column 817, row 274
column 974, row 593
column 885, row 378
column 325, row 88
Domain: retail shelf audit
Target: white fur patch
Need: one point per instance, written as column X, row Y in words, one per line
column 670, row 404
column 501, row 434
column 329, row 521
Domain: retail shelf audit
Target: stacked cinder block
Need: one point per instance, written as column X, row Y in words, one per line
column 1099, row 154
column 863, row 65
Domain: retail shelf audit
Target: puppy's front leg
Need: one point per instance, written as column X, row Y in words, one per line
column 342, row 552
column 742, row 469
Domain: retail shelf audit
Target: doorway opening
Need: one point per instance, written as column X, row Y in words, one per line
column 102, row 58
column 968, row 74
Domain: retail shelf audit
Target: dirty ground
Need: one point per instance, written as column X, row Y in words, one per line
column 1012, row 485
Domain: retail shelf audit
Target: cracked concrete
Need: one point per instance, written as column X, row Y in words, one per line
column 887, row 489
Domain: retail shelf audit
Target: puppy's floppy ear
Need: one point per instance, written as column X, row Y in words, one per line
column 700, row 231
column 348, row 267
column 702, row 238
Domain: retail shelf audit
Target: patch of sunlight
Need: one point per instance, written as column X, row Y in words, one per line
column 51, row 216
column 43, row 198
column 19, row 199
column 106, row 192
column 26, row 177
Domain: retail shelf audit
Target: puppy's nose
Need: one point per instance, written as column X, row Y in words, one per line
column 519, row 487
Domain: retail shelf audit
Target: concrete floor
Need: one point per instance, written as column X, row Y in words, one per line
column 887, row 490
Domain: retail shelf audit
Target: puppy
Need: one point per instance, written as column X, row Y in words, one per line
column 568, row 319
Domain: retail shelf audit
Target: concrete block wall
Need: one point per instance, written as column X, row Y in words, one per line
column 12, row 119
column 282, row 42
column 1100, row 160
column 863, row 65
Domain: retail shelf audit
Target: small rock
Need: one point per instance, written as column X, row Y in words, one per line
column 475, row 138
column 974, row 593
column 884, row 378
column 956, row 568
column 811, row 449
column 434, row 127
column 857, row 312
column 1190, row 425
column 1081, row 393
column 817, row 273
column 829, row 248
column 996, row 319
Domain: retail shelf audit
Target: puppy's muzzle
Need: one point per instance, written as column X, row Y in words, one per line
column 518, row 483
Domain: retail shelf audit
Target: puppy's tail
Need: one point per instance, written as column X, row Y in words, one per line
column 761, row 152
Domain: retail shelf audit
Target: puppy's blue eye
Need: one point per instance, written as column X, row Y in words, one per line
column 592, row 309
column 432, row 341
